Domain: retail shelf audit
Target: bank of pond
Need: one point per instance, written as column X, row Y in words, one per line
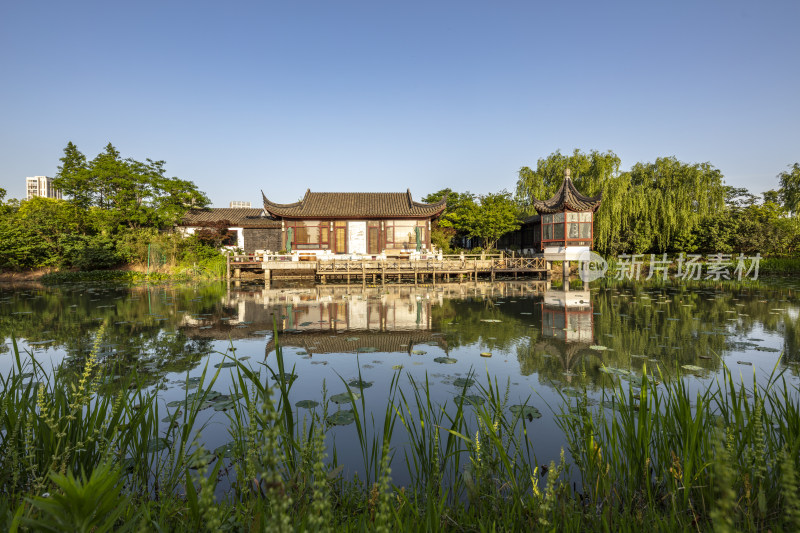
column 461, row 407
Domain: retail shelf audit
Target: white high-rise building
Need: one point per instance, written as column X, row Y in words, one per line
column 41, row 186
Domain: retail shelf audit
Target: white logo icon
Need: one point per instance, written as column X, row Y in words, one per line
column 591, row 266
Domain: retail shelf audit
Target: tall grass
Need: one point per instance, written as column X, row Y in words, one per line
column 82, row 455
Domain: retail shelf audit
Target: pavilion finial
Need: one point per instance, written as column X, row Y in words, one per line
column 566, row 173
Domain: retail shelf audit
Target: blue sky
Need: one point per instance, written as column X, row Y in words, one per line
column 389, row 95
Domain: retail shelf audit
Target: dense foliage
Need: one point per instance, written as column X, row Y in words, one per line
column 115, row 212
column 669, row 205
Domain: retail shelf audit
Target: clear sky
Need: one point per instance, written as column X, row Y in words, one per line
column 386, row 95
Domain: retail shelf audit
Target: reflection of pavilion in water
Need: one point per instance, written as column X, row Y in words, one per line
column 567, row 328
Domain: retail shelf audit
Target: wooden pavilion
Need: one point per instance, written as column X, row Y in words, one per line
column 564, row 225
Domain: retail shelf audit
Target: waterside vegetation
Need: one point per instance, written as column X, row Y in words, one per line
column 121, row 212
column 90, row 452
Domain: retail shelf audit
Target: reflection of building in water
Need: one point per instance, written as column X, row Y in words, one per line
column 355, row 341
column 567, row 333
column 567, row 315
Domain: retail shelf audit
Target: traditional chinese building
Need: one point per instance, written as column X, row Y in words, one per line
column 563, row 227
column 249, row 229
column 326, row 223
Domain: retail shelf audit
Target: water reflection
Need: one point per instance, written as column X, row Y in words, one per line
column 560, row 338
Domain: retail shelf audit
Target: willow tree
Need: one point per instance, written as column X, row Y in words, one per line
column 654, row 207
column 678, row 197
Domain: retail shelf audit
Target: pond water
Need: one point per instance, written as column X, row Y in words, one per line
column 539, row 343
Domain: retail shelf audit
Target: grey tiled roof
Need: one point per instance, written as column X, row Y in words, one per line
column 355, row 205
column 238, row 217
column 568, row 197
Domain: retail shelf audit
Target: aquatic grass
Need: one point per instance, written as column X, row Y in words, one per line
column 666, row 457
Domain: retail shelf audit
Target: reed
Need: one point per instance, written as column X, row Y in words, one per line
column 660, row 456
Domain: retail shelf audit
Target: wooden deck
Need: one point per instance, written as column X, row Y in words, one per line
column 454, row 267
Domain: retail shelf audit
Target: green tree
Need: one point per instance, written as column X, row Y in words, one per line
column 72, row 178
column 132, row 194
column 449, row 225
column 654, row 207
column 790, row 188
column 493, row 215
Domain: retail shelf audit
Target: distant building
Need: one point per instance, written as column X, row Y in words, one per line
column 240, row 205
column 41, row 186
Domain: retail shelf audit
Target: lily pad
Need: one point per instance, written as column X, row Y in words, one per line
column 486, row 354
column 397, row 367
column 419, row 352
column 342, row 418
column 226, row 450
column 767, row 349
column 490, row 320
column 748, row 363
column 527, row 411
column 471, row 399
column 226, row 364
column 157, row 444
column 367, row 349
column 289, row 378
column 224, row 405
column 693, row 368
column 464, row 382
column 598, row 347
column 446, row 360
column 614, row 371
column 344, row 397
column 360, row 384
column 200, row 460
column 306, row 404
column 351, row 339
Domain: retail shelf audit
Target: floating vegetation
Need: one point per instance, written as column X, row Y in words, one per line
column 226, row 450
column 342, row 418
column 344, row 397
column 471, row 399
column 748, row 363
column 157, row 445
column 200, row 460
column 767, row 349
column 693, row 368
column 226, row 364
column 486, row 354
column 367, row 349
column 464, row 382
column 419, row 352
column 397, row 367
column 360, row 384
column 306, row 404
column 526, row 411
column 445, row 360
column 598, row 347
column 286, row 376
column 614, row 371
column 490, row 320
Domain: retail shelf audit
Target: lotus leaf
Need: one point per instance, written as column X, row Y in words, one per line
column 446, row 360
column 361, row 384
column 527, row 411
column 342, row 418
column 464, row 382
column 306, row 404
column 157, row 444
column 344, row 397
